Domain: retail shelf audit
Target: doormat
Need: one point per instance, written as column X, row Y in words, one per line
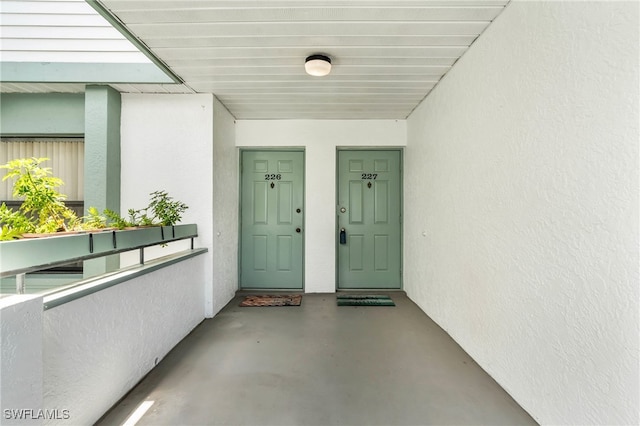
column 364, row 300
column 272, row 300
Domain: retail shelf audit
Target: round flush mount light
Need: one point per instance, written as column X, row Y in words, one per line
column 317, row 65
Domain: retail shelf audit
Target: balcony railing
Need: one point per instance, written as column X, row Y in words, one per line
column 30, row 255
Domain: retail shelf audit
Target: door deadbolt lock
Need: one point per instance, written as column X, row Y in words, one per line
column 298, row 210
column 298, row 230
column 343, row 210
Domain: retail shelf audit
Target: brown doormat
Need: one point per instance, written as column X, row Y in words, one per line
column 272, row 300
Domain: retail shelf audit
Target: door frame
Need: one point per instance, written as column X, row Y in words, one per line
column 304, row 201
column 400, row 150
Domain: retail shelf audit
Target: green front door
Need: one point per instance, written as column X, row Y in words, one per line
column 272, row 220
column 369, row 212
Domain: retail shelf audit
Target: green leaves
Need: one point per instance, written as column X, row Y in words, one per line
column 166, row 211
column 162, row 210
column 7, row 233
column 42, row 208
column 93, row 220
column 14, row 223
column 116, row 220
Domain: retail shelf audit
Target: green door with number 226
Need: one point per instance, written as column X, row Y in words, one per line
column 272, row 220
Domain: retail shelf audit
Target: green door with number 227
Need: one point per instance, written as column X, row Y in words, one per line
column 369, row 219
column 272, row 220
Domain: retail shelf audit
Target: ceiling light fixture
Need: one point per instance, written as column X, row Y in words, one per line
column 317, row 65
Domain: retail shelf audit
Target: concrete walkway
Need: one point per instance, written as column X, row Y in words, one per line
column 320, row 364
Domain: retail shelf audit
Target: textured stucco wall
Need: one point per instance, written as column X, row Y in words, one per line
column 167, row 144
column 20, row 360
column 98, row 347
column 320, row 138
column 521, row 217
column 225, row 208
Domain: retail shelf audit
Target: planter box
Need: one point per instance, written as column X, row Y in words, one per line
column 32, row 254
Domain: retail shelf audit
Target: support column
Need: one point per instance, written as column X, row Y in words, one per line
column 102, row 159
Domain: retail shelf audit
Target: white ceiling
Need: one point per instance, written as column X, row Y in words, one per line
column 387, row 54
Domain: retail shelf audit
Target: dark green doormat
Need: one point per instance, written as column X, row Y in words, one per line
column 364, row 300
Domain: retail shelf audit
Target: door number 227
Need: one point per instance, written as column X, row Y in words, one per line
column 373, row 176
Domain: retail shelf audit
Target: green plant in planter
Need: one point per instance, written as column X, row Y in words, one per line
column 93, row 220
column 136, row 218
column 162, row 210
column 43, row 209
column 140, row 217
column 13, row 223
column 8, row 233
column 167, row 211
column 116, row 220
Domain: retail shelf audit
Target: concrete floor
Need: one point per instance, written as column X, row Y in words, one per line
column 320, row 364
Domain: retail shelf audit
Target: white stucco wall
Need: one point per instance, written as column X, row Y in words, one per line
column 225, row 209
column 521, row 170
column 96, row 348
column 20, row 360
column 320, row 139
column 167, row 144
